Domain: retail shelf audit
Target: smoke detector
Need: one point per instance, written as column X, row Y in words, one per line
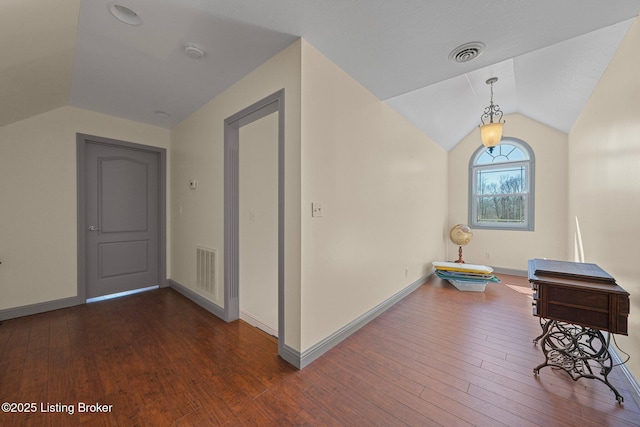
column 466, row 52
column 193, row 50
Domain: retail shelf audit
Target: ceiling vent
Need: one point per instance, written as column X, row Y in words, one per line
column 466, row 52
column 124, row 14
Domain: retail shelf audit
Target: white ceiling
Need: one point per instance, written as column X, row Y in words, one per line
column 547, row 54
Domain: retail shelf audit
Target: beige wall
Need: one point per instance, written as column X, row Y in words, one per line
column 604, row 184
column 389, row 193
column 381, row 181
column 382, row 185
column 511, row 249
column 258, row 211
column 38, row 247
column 197, row 146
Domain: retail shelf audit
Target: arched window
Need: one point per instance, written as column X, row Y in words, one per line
column 501, row 186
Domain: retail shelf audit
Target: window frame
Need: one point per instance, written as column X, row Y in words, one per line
column 529, row 208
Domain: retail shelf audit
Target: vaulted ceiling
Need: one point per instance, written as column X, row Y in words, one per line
column 548, row 55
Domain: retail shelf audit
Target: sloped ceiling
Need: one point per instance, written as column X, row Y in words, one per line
column 548, row 55
column 37, row 42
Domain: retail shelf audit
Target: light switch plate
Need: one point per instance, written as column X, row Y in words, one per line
column 316, row 209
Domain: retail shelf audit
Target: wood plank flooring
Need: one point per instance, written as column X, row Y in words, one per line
column 438, row 357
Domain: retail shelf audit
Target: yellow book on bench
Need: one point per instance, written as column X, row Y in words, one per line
column 463, row 268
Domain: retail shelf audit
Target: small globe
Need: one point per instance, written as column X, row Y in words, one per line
column 461, row 234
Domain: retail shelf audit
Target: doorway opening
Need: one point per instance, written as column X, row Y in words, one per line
column 271, row 104
column 258, row 215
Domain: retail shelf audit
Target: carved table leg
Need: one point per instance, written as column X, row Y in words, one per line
column 579, row 351
column 545, row 324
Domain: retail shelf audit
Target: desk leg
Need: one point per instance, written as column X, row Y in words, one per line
column 580, row 352
column 545, row 324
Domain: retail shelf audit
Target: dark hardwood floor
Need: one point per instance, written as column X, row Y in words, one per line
column 438, row 357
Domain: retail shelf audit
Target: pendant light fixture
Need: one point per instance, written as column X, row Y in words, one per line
column 490, row 130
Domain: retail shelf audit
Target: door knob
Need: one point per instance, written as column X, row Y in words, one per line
column 94, row 228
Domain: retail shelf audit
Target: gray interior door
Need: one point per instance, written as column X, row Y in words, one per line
column 122, row 215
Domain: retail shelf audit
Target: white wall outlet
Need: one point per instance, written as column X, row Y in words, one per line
column 193, row 184
column 316, row 209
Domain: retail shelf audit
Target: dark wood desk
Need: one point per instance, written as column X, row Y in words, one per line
column 575, row 303
column 585, row 301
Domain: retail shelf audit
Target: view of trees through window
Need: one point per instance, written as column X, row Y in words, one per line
column 501, row 195
column 501, row 186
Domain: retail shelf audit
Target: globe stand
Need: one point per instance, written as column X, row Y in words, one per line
column 461, row 235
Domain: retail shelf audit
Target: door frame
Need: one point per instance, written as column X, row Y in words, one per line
column 268, row 105
column 81, row 141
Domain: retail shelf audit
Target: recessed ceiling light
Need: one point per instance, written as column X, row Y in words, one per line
column 162, row 114
column 124, row 14
column 193, row 50
column 466, row 52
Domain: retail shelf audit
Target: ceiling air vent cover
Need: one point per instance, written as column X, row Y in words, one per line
column 124, row 14
column 466, row 52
